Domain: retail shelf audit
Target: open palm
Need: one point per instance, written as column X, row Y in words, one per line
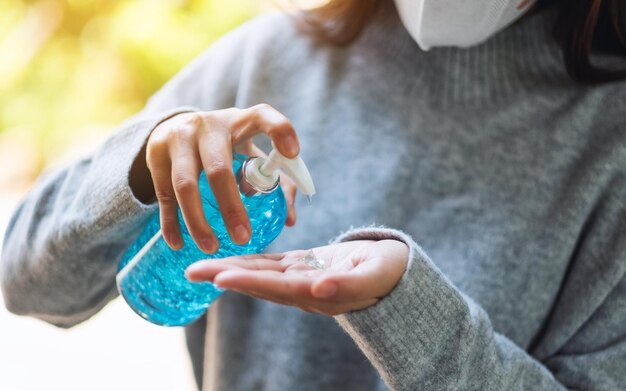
column 356, row 275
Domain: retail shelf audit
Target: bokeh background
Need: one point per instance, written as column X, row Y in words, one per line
column 70, row 72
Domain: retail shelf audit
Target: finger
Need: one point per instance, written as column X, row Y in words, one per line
column 332, row 309
column 160, row 170
column 286, row 287
column 289, row 189
column 206, row 270
column 264, row 118
column 185, row 172
column 216, row 155
column 317, row 306
column 260, row 296
column 368, row 280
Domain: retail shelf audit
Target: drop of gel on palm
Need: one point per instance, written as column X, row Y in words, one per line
column 311, row 260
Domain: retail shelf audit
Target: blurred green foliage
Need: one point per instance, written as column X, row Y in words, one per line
column 73, row 66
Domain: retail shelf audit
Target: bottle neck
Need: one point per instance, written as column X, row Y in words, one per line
column 251, row 181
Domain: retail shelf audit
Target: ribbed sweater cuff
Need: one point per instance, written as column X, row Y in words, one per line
column 406, row 330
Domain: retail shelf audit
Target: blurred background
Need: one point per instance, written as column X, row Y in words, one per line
column 70, row 72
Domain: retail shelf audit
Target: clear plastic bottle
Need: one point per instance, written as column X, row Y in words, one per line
column 151, row 276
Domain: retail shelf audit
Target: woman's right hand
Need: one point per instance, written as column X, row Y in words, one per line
column 181, row 147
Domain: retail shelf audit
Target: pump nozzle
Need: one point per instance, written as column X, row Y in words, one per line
column 294, row 168
column 261, row 174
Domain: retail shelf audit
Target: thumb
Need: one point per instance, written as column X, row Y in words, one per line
column 369, row 281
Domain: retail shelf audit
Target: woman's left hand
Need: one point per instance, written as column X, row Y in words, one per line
column 356, row 275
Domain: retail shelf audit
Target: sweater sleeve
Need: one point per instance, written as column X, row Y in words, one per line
column 63, row 243
column 428, row 335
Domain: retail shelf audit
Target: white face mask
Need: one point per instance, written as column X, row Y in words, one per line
column 461, row 23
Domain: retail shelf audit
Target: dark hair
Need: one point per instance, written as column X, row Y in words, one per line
column 587, row 27
column 583, row 28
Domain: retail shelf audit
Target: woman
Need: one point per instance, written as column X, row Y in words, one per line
column 509, row 173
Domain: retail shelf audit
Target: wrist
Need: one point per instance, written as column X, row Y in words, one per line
column 140, row 180
column 139, row 176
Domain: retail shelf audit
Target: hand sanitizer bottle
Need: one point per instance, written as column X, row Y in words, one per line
column 151, row 276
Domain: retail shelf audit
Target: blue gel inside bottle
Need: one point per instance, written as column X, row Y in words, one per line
column 155, row 286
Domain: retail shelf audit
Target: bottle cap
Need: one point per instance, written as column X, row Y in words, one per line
column 262, row 173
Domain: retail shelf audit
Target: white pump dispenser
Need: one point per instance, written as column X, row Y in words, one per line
column 261, row 174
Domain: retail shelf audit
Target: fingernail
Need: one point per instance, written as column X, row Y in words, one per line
column 207, row 245
column 241, row 234
column 174, row 239
column 291, row 144
column 327, row 290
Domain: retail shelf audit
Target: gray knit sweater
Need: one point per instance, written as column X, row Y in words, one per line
column 510, row 177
